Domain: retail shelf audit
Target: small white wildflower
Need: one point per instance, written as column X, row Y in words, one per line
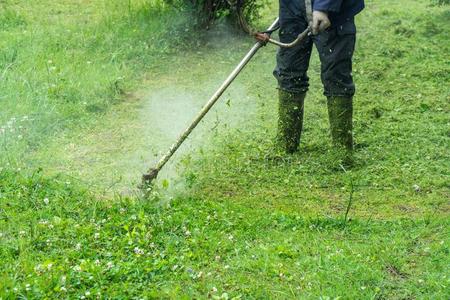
column 227, row 267
column 87, row 293
column 96, row 235
column 63, row 289
column 46, row 201
column 21, row 233
column 77, row 268
column 38, row 268
column 49, row 266
column 97, row 262
column 78, row 247
column 214, row 289
column 139, row 251
column 109, row 265
column 133, row 217
column 63, row 279
column 187, row 233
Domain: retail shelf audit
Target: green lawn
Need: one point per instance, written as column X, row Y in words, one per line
column 75, row 74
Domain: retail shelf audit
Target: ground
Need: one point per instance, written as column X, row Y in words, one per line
column 93, row 91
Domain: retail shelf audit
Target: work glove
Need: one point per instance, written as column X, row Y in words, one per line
column 320, row 22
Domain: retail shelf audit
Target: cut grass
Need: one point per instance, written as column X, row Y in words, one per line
column 247, row 225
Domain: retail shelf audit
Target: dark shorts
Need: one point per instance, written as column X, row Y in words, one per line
column 335, row 46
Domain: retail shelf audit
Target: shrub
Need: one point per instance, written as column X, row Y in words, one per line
column 240, row 11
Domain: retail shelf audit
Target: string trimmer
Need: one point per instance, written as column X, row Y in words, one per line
column 263, row 38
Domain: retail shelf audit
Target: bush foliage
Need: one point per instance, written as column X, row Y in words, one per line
column 241, row 11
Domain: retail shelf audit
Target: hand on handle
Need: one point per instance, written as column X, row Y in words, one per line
column 320, row 22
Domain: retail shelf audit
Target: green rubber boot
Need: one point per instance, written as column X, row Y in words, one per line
column 340, row 112
column 290, row 121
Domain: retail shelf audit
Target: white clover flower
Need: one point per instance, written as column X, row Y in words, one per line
column 139, row 251
column 96, row 235
column 77, row 268
column 78, row 247
column 97, row 262
column 46, row 201
column 38, row 268
column 21, row 233
column 109, row 265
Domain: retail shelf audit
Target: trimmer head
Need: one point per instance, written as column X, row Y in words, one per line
column 148, row 178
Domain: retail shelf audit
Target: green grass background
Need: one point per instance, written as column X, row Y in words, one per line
column 246, row 225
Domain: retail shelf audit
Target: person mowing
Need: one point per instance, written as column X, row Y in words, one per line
column 334, row 35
